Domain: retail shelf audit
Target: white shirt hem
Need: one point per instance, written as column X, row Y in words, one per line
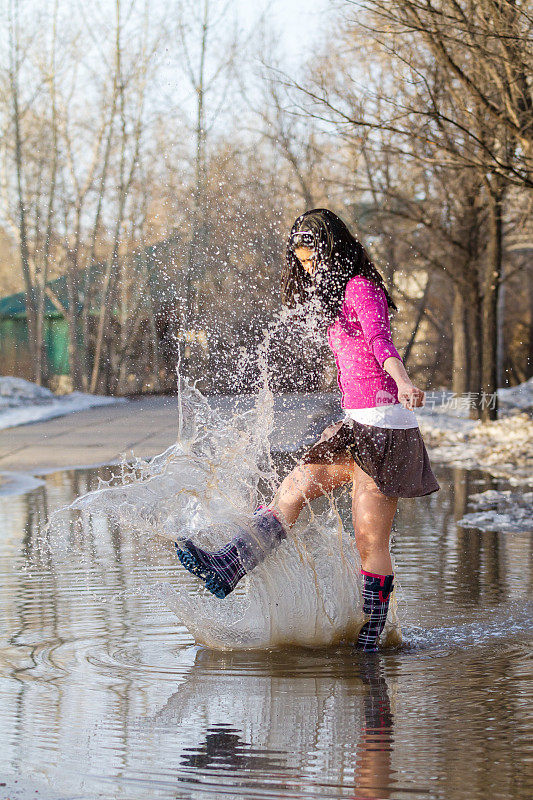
column 393, row 415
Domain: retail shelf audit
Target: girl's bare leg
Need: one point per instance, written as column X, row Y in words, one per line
column 309, row 481
column 372, row 514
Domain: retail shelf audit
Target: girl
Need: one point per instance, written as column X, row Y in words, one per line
column 377, row 447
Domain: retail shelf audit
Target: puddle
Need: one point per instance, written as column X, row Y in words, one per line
column 104, row 694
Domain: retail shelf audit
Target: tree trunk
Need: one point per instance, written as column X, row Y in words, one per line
column 529, row 365
column 32, row 307
column 75, row 347
column 154, row 342
column 493, row 271
column 460, row 358
column 501, row 376
column 473, row 349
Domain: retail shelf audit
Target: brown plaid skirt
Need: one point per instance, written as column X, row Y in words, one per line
column 396, row 458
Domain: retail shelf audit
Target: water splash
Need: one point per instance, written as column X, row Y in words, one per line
column 206, row 487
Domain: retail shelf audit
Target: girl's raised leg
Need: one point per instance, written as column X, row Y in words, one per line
column 307, row 482
column 223, row 569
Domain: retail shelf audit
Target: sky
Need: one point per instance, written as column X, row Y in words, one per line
column 297, row 25
column 294, row 25
column 299, row 22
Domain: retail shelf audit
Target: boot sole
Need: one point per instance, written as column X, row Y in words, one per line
column 210, row 578
column 367, row 648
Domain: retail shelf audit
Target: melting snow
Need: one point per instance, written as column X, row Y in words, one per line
column 503, row 447
column 506, row 511
column 22, row 402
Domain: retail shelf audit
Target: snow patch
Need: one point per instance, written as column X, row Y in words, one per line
column 22, row 402
column 12, row 483
column 520, row 396
column 503, row 448
column 506, row 511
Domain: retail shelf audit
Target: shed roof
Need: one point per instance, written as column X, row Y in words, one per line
column 15, row 304
column 151, row 257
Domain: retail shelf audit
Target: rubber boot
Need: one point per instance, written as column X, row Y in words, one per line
column 376, row 594
column 222, row 569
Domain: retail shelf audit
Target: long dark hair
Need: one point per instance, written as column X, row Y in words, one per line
column 340, row 256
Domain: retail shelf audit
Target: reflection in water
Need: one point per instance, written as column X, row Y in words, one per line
column 477, row 548
column 223, row 748
column 373, row 771
column 291, row 713
column 102, row 693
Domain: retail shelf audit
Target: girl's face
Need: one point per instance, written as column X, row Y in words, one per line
column 307, row 259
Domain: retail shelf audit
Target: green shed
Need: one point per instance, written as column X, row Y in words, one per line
column 157, row 266
column 15, row 356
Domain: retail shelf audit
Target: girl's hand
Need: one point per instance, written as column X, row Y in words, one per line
column 409, row 395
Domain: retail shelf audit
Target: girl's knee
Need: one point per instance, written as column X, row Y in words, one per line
column 297, row 483
column 370, row 506
column 370, row 541
column 372, row 520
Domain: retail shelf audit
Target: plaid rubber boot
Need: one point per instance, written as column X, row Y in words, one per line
column 376, row 593
column 222, row 569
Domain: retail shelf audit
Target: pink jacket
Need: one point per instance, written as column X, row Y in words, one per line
column 361, row 342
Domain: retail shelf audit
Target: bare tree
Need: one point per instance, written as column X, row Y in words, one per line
column 484, row 47
column 417, row 111
column 209, row 62
column 298, row 142
column 18, row 111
